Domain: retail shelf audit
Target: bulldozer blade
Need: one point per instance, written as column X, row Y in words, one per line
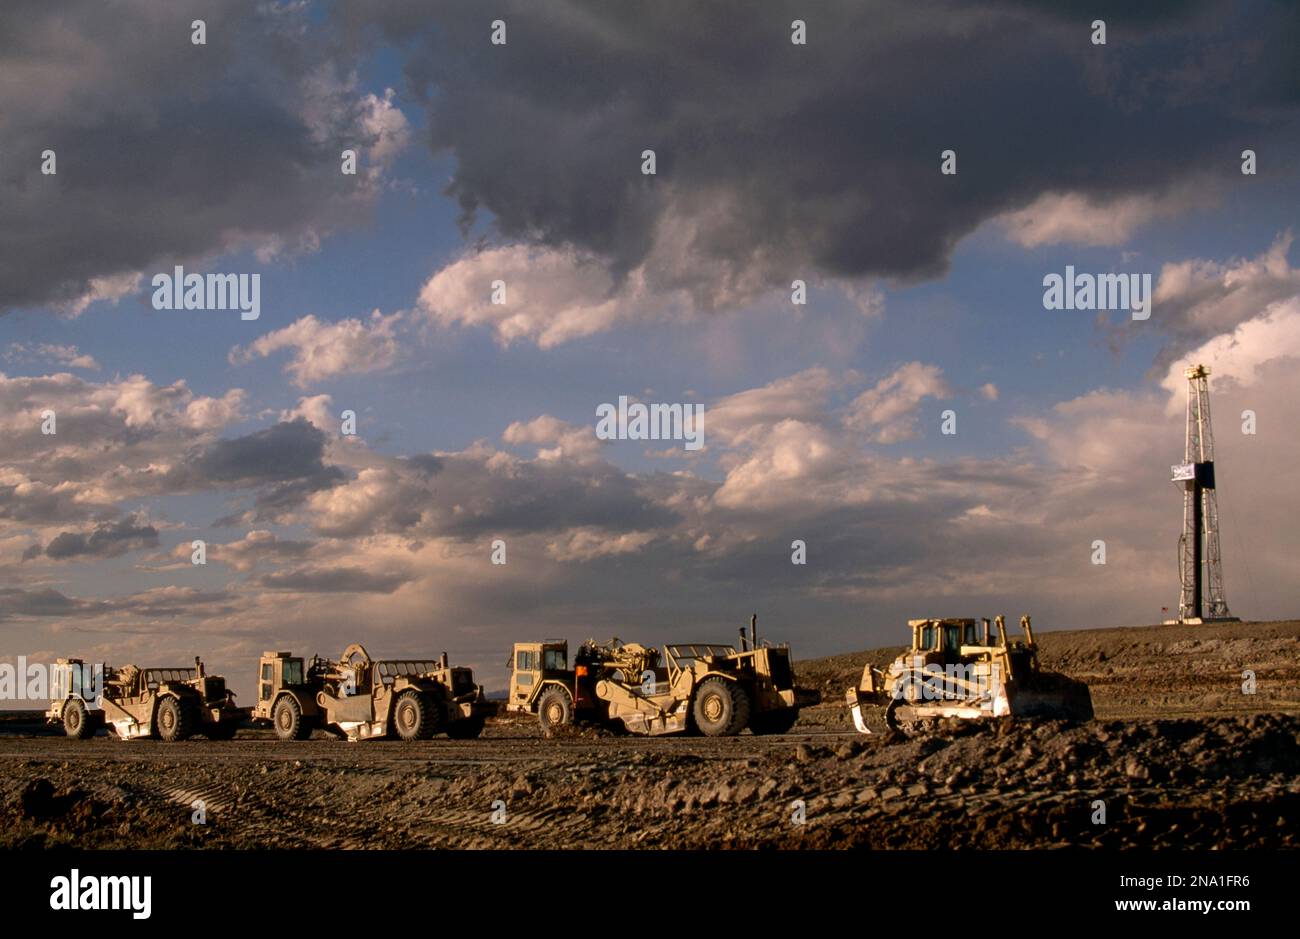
column 1071, row 704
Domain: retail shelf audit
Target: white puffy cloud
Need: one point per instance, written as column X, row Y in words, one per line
column 555, row 295
column 112, row 288
column 1199, row 299
column 793, row 461
column 316, row 410
column 587, row 544
column 324, row 349
column 66, row 355
column 386, row 126
column 886, row 413
column 555, row 438
column 1241, row 355
column 748, row 415
column 1073, row 218
column 552, row 295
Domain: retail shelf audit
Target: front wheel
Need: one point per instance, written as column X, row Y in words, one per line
column 288, row 720
column 76, row 721
column 555, row 709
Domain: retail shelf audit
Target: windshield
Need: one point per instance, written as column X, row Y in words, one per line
column 951, row 638
column 293, row 671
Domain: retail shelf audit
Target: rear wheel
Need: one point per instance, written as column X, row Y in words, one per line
column 76, row 721
column 555, row 708
column 288, row 720
column 721, row 708
column 467, row 729
column 173, row 720
column 411, row 716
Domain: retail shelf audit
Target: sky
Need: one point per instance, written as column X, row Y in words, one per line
column 523, row 162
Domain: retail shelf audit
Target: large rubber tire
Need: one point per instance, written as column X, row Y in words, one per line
column 555, row 708
column 467, row 729
column 721, row 708
column 774, row 722
column 287, row 718
column 437, row 715
column 173, row 721
column 222, row 730
column 77, row 722
column 412, row 716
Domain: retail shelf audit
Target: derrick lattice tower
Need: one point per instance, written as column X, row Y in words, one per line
column 1199, row 560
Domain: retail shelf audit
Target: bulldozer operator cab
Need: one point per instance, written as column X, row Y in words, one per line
column 960, row 641
column 945, row 641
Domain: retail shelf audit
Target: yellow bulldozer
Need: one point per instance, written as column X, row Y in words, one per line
column 967, row 669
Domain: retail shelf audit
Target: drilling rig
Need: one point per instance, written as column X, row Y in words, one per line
column 1200, row 564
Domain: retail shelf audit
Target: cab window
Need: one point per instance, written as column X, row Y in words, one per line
column 927, row 638
column 526, row 662
column 952, row 639
column 554, row 660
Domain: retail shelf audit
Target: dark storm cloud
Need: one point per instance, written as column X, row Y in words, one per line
column 426, row 464
column 107, row 540
column 44, row 603
column 541, row 497
column 290, row 451
column 44, row 506
column 166, row 150
column 827, row 155
column 284, row 463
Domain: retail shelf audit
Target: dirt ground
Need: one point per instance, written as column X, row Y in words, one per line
column 1179, row 757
